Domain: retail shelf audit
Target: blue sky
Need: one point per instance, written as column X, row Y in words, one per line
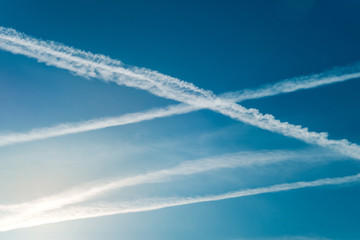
column 216, row 45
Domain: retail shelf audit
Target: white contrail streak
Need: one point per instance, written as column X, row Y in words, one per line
column 98, row 66
column 339, row 74
column 88, row 191
column 289, row 85
column 90, row 65
column 105, row 209
column 71, row 128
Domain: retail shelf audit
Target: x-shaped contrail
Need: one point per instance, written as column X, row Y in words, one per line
column 191, row 98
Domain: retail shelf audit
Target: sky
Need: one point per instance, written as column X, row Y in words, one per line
column 221, row 46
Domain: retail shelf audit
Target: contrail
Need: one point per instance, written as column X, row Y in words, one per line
column 99, row 66
column 90, row 65
column 106, row 209
column 91, row 190
column 286, row 86
column 339, row 74
column 71, row 128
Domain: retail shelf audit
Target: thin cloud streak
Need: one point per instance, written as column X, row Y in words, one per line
column 91, row 190
column 339, row 74
column 286, row 86
column 100, row 123
column 106, row 209
column 99, row 66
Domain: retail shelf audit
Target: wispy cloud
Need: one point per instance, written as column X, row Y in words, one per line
column 99, row 66
column 338, row 74
column 235, row 160
column 100, row 123
column 288, row 85
column 105, row 209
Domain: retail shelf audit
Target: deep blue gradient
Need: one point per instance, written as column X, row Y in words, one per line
column 217, row 45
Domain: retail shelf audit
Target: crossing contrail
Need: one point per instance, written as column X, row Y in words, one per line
column 106, row 209
column 289, row 85
column 235, row 160
column 99, row 66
